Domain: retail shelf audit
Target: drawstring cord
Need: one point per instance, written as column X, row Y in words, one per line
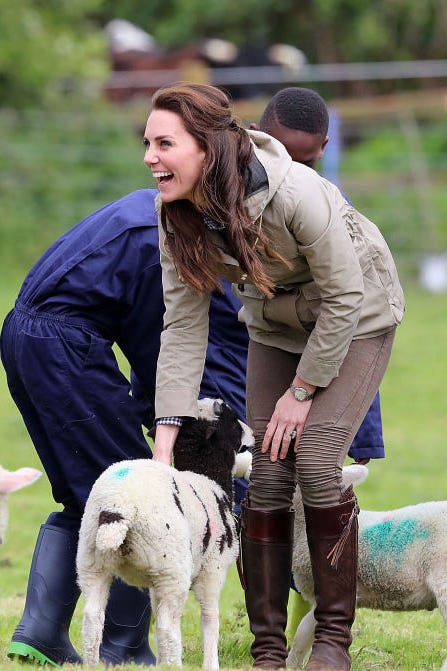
column 338, row 548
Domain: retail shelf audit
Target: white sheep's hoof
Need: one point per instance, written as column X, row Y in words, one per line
column 11, row 481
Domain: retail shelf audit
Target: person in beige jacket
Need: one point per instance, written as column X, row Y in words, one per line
column 321, row 301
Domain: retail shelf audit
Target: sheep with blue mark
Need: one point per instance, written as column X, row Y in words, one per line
column 168, row 530
column 402, row 564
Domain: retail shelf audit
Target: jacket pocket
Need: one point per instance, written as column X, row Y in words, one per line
column 297, row 308
column 282, row 309
column 308, row 305
column 51, row 369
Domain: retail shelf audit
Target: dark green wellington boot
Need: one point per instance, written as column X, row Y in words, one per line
column 42, row 637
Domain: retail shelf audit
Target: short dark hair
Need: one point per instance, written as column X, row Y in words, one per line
column 296, row 108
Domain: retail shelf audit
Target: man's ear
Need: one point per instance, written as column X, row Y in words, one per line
column 323, row 147
column 253, row 126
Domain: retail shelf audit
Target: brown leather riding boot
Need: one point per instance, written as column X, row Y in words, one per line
column 266, row 548
column 332, row 535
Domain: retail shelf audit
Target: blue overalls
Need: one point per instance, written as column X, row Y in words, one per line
column 100, row 284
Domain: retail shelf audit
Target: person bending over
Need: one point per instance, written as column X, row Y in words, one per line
column 96, row 286
column 321, row 300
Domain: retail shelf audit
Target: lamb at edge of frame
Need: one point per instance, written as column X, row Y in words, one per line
column 402, row 563
column 167, row 529
column 11, row 481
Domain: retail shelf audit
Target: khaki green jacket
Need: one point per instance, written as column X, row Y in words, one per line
column 341, row 285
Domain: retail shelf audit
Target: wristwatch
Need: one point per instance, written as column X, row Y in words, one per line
column 301, row 394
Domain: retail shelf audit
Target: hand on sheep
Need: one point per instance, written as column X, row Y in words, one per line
column 165, row 437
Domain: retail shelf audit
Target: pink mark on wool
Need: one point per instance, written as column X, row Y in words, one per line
column 214, row 526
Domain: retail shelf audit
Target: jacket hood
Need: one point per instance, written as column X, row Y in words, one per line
column 276, row 162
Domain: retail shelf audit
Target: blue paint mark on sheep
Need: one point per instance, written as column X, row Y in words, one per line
column 121, row 473
column 391, row 538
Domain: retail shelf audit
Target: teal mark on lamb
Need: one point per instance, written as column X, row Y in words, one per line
column 392, row 537
column 122, row 472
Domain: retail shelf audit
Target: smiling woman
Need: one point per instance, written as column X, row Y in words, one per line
column 173, row 155
column 233, row 205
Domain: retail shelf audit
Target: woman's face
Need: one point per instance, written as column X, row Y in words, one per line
column 173, row 155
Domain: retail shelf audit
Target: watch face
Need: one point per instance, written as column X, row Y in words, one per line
column 300, row 394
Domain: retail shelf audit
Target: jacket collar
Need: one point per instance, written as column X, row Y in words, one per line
column 255, row 177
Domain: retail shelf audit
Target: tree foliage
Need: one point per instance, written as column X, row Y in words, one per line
column 326, row 30
column 48, row 46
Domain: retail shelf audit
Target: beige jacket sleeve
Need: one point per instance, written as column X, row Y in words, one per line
column 183, row 343
column 329, row 250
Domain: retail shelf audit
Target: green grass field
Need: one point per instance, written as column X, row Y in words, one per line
column 415, row 429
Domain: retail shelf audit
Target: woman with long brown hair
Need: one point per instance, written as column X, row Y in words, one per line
column 321, row 301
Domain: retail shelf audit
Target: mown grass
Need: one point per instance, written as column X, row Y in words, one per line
column 415, row 428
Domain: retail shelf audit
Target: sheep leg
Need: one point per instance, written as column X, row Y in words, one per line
column 3, row 515
column 438, row 584
column 168, row 608
column 207, row 590
column 96, row 592
column 209, row 619
column 302, row 641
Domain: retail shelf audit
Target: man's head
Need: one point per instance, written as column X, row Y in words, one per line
column 299, row 118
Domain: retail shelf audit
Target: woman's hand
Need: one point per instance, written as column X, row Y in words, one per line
column 286, row 424
column 165, row 437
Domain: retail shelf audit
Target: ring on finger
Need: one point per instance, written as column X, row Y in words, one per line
column 292, row 434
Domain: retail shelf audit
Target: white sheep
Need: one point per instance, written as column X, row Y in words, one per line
column 11, row 481
column 166, row 529
column 402, row 561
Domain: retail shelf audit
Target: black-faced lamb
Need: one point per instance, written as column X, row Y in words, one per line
column 402, row 561
column 11, row 481
column 167, row 529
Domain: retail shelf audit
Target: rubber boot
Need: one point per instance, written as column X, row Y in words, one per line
column 332, row 536
column 42, row 637
column 266, row 548
column 126, row 626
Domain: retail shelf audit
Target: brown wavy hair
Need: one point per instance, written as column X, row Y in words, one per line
column 206, row 115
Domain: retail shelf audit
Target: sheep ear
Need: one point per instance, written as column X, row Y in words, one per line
column 354, row 474
column 247, row 438
column 11, row 481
